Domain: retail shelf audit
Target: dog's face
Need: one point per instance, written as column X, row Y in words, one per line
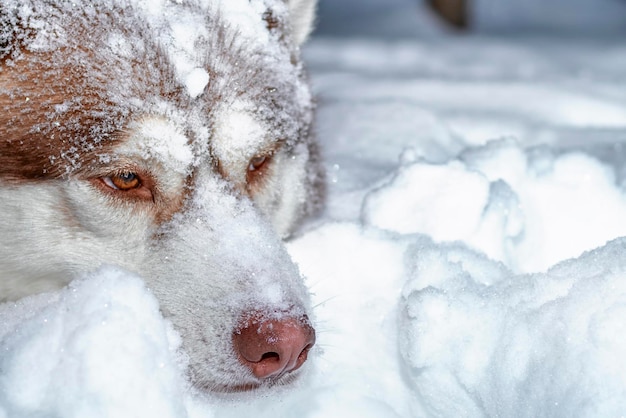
column 183, row 154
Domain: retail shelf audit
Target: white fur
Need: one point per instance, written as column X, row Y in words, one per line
column 54, row 231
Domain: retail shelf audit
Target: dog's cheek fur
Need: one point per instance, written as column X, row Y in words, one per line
column 283, row 194
column 63, row 228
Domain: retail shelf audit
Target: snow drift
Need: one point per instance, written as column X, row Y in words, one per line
column 480, row 341
column 100, row 348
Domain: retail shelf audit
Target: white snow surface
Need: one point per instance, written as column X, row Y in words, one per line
column 100, row 348
column 468, row 263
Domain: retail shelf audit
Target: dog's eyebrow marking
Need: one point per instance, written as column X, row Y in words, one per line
column 159, row 139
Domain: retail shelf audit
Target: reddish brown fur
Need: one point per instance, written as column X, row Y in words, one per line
column 64, row 109
column 39, row 141
column 30, row 139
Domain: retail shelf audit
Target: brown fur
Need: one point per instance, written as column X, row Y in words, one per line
column 55, row 105
column 65, row 108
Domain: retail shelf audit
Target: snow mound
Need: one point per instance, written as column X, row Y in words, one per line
column 480, row 341
column 528, row 209
column 99, row 348
column 356, row 275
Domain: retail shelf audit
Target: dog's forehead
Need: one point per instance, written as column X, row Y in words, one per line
column 238, row 135
column 104, row 67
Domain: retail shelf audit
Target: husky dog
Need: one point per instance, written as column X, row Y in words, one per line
column 172, row 139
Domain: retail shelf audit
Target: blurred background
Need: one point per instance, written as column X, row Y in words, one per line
column 410, row 18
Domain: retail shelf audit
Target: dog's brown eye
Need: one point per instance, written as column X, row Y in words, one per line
column 123, row 181
column 257, row 163
column 257, row 168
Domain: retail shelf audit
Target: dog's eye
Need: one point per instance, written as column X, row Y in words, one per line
column 257, row 163
column 123, row 181
column 257, row 167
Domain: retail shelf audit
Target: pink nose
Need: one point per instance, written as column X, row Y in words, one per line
column 273, row 347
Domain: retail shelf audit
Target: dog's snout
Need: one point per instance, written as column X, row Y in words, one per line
column 271, row 347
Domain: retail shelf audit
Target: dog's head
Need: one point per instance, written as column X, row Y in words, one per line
column 172, row 140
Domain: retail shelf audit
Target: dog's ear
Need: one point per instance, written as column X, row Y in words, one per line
column 302, row 18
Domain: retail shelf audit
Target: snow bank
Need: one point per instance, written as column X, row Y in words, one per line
column 529, row 210
column 480, row 341
column 99, row 348
column 474, row 337
column 457, row 328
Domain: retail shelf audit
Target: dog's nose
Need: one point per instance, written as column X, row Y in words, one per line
column 271, row 347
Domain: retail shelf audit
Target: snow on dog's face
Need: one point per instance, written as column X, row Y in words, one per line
column 174, row 141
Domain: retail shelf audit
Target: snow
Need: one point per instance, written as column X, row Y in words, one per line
column 100, row 348
column 517, row 206
column 175, row 152
column 468, row 262
column 537, row 345
column 239, row 129
column 196, row 81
